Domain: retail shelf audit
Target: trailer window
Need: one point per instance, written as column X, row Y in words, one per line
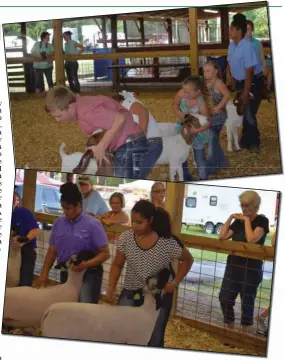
column 213, row 200
column 191, row 202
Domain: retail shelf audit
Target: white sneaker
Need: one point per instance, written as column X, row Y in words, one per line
column 261, row 327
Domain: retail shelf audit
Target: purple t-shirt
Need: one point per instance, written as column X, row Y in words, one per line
column 70, row 237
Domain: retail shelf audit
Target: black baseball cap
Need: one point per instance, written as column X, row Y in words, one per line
column 68, row 32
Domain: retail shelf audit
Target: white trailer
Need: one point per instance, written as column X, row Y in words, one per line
column 210, row 206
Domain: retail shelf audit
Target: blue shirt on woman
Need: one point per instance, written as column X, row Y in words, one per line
column 242, row 56
column 257, row 48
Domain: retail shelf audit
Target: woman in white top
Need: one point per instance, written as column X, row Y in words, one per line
column 149, row 125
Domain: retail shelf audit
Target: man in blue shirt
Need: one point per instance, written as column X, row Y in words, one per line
column 93, row 204
column 26, row 224
column 247, row 73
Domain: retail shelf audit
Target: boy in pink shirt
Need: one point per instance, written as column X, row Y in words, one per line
column 123, row 137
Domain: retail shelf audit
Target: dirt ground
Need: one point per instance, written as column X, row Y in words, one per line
column 37, row 138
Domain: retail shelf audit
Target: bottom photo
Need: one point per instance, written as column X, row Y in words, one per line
column 167, row 265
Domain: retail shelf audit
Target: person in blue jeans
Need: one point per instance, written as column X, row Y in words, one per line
column 190, row 99
column 220, row 96
column 247, row 71
column 71, row 234
column 28, row 229
column 148, row 124
column 148, row 249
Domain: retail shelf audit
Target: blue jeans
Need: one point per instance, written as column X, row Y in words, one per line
column 39, row 78
column 216, row 156
column 157, row 337
column 127, row 158
column 29, row 257
column 150, row 158
column 250, row 133
column 202, row 165
column 91, row 287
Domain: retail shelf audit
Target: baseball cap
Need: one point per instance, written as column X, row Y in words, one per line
column 84, row 179
column 67, row 32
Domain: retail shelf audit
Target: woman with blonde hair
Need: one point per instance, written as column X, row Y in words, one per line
column 157, row 194
column 243, row 275
column 116, row 215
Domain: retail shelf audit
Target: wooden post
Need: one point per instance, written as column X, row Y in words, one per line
column 169, row 31
column 115, row 73
column 58, row 52
column 174, row 205
column 194, row 55
column 24, row 38
column 29, row 189
column 126, row 32
column 142, row 30
column 104, row 31
column 225, row 27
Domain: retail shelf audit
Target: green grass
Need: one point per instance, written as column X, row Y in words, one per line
column 213, row 289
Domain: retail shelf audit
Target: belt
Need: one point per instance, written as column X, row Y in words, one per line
column 155, row 140
column 135, row 137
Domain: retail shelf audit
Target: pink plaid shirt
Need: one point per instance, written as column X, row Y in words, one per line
column 95, row 112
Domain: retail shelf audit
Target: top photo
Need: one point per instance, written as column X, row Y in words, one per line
column 182, row 94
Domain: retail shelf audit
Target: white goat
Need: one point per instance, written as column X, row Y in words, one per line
column 70, row 161
column 14, row 265
column 175, row 152
column 169, row 129
column 233, row 123
column 25, row 306
column 104, row 323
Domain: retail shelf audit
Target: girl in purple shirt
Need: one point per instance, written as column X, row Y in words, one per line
column 72, row 233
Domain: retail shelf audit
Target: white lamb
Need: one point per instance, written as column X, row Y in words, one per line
column 233, row 123
column 25, row 306
column 104, row 323
column 175, row 152
column 70, row 161
column 14, row 266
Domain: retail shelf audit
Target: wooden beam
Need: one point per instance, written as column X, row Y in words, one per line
column 58, row 52
column 137, row 53
column 141, row 20
column 29, row 190
column 174, row 205
column 24, row 38
column 225, row 28
column 194, row 54
column 104, row 31
column 126, row 31
column 169, row 31
column 115, row 74
column 97, row 23
column 193, row 241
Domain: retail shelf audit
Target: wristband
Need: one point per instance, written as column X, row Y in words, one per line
column 175, row 283
column 23, row 240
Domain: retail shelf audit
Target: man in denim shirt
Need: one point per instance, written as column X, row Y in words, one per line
column 93, row 204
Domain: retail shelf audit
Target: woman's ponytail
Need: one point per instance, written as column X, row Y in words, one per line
column 160, row 223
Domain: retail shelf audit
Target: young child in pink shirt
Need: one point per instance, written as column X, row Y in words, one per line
column 123, row 137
